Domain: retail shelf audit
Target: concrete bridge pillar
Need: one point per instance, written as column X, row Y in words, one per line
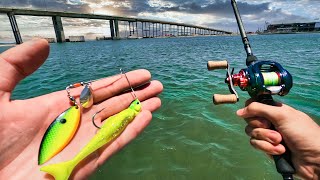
column 15, row 28
column 116, row 29
column 111, row 28
column 58, row 28
column 137, row 29
column 162, row 34
column 142, row 30
column 130, row 28
column 149, row 30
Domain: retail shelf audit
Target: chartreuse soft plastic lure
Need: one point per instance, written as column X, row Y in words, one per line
column 111, row 129
column 59, row 134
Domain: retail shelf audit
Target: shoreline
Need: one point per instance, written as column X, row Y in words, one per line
column 6, row 45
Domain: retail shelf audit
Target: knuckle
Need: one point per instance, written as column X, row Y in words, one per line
column 248, row 130
column 276, row 138
column 257, row 133
column 277, row 150
column 251, row 108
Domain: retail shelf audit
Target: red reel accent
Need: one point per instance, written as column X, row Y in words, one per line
column 239, row 79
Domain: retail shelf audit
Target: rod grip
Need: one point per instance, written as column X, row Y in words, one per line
column 283, row 162
column 212, row 65
column 224, row 99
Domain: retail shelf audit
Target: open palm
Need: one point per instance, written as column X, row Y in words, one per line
column 24, row 122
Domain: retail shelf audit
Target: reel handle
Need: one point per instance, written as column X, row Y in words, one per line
column 212, row 65
column 224, row 99
column 283, row 162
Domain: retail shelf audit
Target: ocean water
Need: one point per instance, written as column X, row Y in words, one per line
column 189, row 137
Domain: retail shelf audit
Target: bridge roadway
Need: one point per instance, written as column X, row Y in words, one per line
column 183, row 29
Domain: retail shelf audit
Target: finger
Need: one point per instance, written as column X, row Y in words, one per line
column 258, row 122
column 103, row 89
column 119, row 83
column 151, row 104
column 268, row 135
column 21, row 61
column 255, row 109
column 112, row 86
column 133, row 129
column 118, row 103
column 267, row 147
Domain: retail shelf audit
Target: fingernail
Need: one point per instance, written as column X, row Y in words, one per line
column 239, row 112
column 274, row 137
column 32, row 41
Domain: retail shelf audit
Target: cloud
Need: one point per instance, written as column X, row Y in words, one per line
column 218, row 8
column 209, row 13
column 75, row 22
column 57, row 5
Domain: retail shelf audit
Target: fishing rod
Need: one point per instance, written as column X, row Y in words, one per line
column 261, row 79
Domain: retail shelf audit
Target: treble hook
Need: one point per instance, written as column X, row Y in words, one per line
column 94, row 117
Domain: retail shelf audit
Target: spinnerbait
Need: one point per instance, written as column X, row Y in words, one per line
column 63, row 128
column 111, row 129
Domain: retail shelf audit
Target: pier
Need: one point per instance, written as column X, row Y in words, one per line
column 148, row 28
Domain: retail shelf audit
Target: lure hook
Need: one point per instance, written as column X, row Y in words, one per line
column 133, row 93
column 94, row 117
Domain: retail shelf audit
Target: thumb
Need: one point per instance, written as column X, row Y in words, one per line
column 272, row 113
column 21, row 61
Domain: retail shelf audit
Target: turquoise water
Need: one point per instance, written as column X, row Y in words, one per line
column 189, row 137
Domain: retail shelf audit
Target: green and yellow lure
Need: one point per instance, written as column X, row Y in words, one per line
column 59, row 134
column 111, row 129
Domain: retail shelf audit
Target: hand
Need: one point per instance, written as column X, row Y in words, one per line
column 24, row 122
column 300, row 133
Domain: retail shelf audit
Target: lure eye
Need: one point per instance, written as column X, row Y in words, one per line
column 62, row 121
column 137, row 102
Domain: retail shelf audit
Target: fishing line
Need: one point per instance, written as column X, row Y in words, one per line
column 271, row 78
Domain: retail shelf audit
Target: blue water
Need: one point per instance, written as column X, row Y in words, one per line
column 189, row 137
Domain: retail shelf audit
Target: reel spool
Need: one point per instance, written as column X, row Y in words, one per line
column 260, row 78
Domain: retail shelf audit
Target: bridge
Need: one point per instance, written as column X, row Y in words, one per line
column 149, row 28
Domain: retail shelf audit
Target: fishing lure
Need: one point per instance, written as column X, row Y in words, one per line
column 111, row 129
column 59, row 134
column 63, row 128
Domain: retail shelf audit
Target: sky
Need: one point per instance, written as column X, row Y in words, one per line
column 216, row 14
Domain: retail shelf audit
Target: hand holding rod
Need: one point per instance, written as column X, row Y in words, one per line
column 283, row 162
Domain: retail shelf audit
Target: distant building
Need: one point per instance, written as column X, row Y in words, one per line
column 103, row 38
column 76, row 39
column 50, row 40
column 293, row 27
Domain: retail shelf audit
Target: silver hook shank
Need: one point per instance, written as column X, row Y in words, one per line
column 133, row 93
column 94, row 117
